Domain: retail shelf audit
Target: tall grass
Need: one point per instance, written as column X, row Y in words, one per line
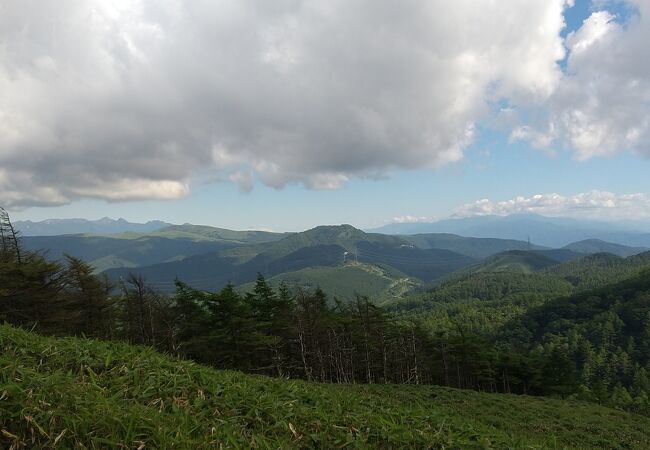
column 75, row 393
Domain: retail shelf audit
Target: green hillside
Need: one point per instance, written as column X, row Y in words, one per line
column 599, row 269
column 599, row 246
column 77, row 393
column 485, row 287
column 515, row 261
column 345, row 281
column 510, row 275
column 603, row 337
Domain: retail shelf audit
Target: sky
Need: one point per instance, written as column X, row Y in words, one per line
column 285, row 115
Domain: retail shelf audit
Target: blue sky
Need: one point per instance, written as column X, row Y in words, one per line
column 493, row 167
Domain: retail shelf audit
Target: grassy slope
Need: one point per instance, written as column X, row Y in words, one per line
column 90, row 394
column 344, row 282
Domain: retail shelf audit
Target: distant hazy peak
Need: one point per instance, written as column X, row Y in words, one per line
column 53, row 227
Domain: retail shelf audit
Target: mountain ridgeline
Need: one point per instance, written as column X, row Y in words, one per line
column 322, row 247
column 131, row 249
column 54, row 227
column 343, row 258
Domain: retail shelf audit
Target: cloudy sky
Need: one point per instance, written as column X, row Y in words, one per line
column 292, row 113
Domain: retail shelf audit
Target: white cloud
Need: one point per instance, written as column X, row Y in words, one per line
column 602, row 104
column 594, row 28
column 409, row 219
column 593, row 204
column 136, row 98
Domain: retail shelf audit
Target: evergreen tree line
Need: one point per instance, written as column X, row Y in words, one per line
column 303, row 334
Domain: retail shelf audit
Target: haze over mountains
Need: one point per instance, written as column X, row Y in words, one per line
column 53, row 227
column 541, row 230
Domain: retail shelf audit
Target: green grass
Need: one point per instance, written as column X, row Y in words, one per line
column 76, row 393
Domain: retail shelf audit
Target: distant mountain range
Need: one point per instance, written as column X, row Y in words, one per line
column 547, row 231
column 130, row 249
column 321, row 247
column 54, row 227
column 343, row 259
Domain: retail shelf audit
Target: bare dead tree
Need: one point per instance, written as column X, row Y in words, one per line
column 9, row 236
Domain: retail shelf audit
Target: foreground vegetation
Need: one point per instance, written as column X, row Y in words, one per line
column 80, row 393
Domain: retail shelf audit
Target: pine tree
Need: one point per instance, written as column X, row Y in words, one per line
column 85, row 296
column 29, row 284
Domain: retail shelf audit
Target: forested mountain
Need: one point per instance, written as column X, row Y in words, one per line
column 53, row 227
column 515, row 261
column 512, row 275
column 603, row 337
column 597, row 341
column 518, row 261
column 379, row 282
column 599, row 269
column 485, row 287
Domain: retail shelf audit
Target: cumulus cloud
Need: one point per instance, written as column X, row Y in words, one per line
column 134, row 99
column 409, row 219
column 602, row 104
column 594, row 204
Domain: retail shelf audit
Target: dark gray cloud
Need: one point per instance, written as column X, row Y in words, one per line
column 134, row 99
